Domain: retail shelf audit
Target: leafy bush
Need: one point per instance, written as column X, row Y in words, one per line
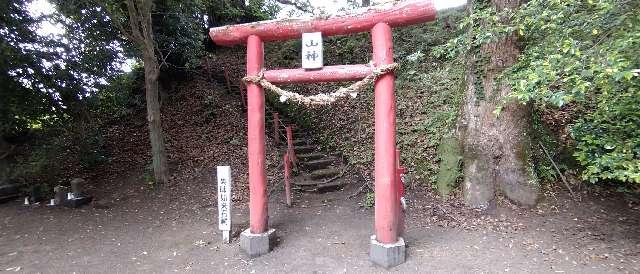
column 575, row 51
column 369, row 200
column 586, row 52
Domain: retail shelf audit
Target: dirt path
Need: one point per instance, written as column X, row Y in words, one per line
column 151, row 232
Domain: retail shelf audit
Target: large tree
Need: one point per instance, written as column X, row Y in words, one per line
column 139, row 31
column 496, row 146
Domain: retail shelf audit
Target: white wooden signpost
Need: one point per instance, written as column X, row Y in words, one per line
column 224, row 202
column 312, row 50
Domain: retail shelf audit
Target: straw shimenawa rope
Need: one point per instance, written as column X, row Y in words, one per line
column 322, row 98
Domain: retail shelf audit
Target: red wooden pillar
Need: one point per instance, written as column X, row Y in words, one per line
column 290, row 148
column 386, row 191
column 287, row 178
column 258, row 212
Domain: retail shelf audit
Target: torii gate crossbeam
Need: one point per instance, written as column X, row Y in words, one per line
column 387, row 247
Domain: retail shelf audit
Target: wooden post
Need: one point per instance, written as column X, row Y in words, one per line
column 327, row 74
column 386, row 191
column 290, row 148
column 287, row 178
column 225, row 185
column 258, row 212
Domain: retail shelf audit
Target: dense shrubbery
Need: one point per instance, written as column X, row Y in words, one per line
column 587, row 52
column 581, row 52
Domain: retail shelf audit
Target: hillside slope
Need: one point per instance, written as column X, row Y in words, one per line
column 205, row 126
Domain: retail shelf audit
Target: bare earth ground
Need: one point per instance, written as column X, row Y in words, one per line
column 142, row 230
column 134, row 228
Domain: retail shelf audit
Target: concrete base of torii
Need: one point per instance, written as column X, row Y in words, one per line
column 256, row 245
column 387, row 255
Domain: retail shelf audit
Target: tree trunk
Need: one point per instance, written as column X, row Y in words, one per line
column 141, row 26
column 496, row 147
column 158, row 151
column 366, row 3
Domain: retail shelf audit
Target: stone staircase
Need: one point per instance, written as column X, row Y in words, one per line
column 317, row 170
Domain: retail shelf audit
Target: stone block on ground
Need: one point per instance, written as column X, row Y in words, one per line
column 60, row 193
column 256, row 245
column 387, row 255
column 78, row 185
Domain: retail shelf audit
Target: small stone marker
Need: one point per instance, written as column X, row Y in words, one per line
column 224, row 202
column 77, row 186
column 312, row 50
column 60, row 194
column 77, row 197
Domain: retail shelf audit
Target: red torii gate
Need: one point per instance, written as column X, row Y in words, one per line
column 387, row 247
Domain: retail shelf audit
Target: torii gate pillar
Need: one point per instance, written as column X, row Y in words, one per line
column 387, row 247
column 258, row 238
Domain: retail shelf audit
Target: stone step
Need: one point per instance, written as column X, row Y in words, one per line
column 331, row 186
column 305, row 149
column 324, row 173
column 310, row 157
column 307, row 183
column 319, row 164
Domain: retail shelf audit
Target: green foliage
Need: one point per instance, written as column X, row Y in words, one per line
column 178, row 31
column 41, row 162
column 608, row 139
column 585, row 52
column 369, row 200
column 223, row 12
column 90, row 149
column 147, row 175
column 589, row 57
column 121, row 97
column 450, row 153
column 45, row 77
